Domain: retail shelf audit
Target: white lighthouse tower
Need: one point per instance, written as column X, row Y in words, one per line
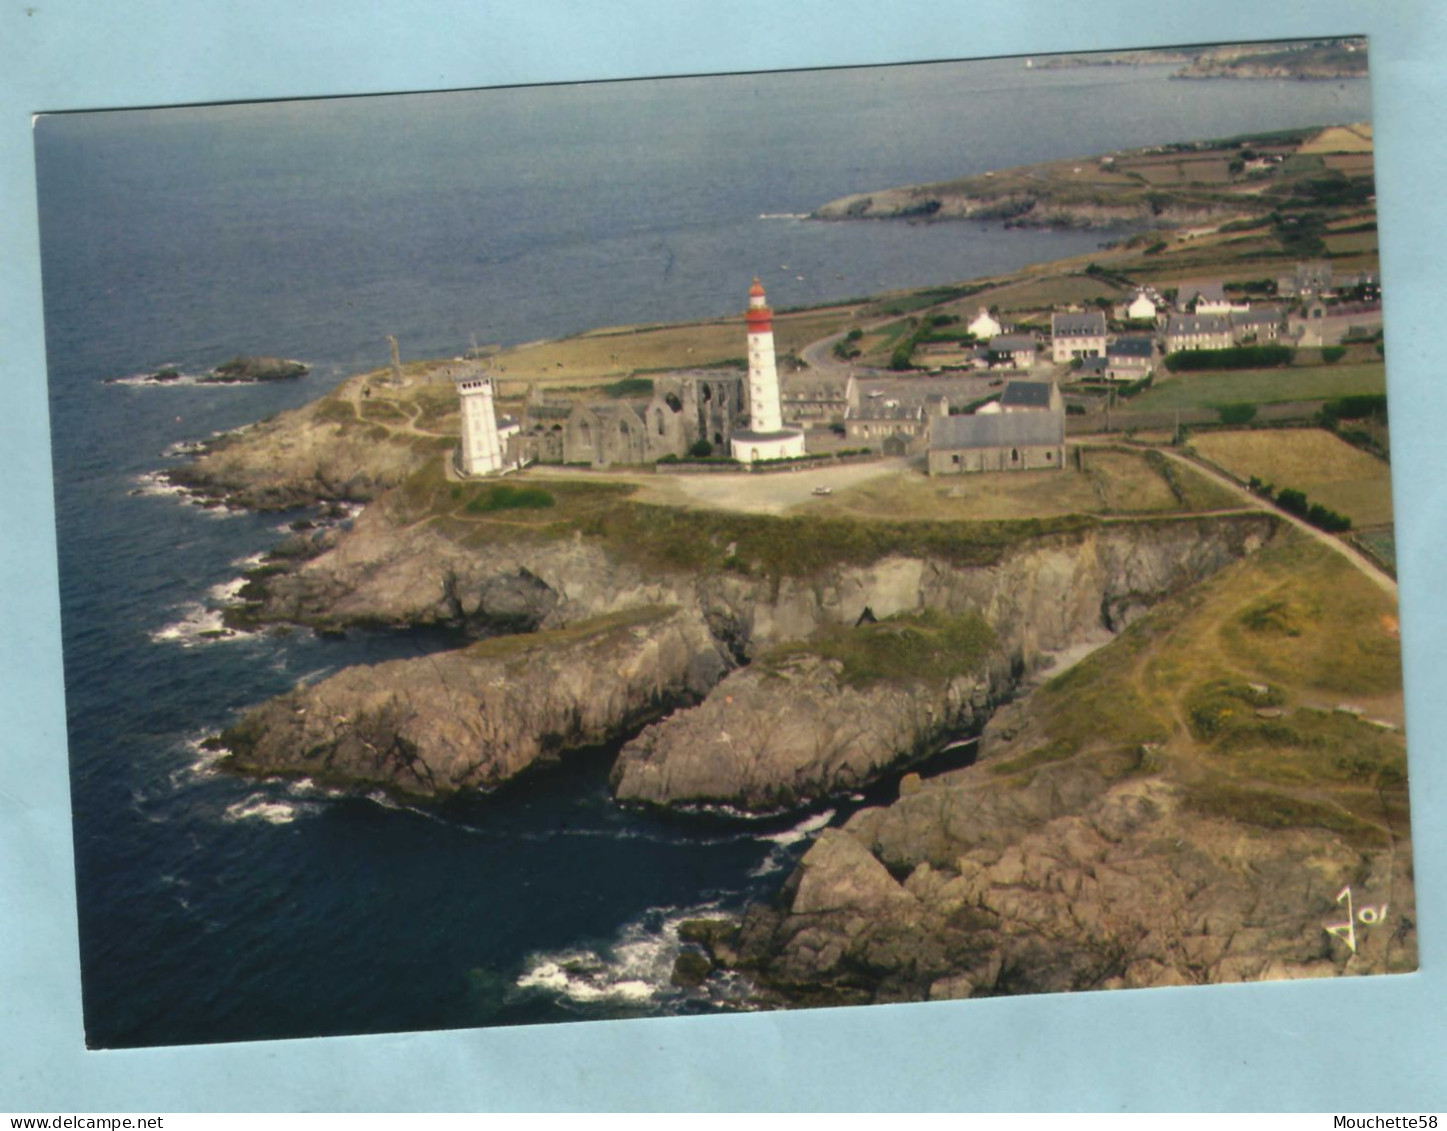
column 481, row 447
column 766, row 438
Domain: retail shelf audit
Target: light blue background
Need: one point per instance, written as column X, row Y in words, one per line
column 1346, row 1045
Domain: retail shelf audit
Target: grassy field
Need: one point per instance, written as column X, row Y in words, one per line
column 1328, row 469
column 1229, row 692
column 1060, row 290
column 1113, row 483
column 1340, row 139
column 1263, row 386
column 600, row 356
column 699, row 540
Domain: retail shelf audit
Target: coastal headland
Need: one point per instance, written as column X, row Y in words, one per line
column 1188, row 710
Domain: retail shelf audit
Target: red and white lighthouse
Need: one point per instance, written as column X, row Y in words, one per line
column 764, row 413
column 766, row 438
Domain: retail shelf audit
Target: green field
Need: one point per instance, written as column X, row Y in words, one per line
column 1263, row 386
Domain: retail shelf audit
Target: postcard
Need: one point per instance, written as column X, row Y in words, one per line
column 742, row 544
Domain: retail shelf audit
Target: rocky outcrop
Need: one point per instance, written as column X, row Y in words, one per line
column 246, row 369
column 320, row 452
column 776, row 735
column 475, row 717
column 1019, row 209
column 1077, row 875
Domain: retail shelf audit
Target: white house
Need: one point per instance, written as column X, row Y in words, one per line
column 985, row 327
column 1142, row 308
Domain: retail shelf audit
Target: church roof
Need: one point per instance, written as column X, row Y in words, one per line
column 1026, row 394
column 997, row 430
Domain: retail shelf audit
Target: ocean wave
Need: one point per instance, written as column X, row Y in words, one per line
column 779, row 856
column 155, row 484
column 151, row 381
column 199, row 624
column 263, row 807
column 636, row 968
column 204, row 758
column 802, row 831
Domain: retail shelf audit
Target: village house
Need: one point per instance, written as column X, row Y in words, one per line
column 877, row 421
column 1014, row 441
column 1131, row 357
column 1323, row 325
column 1014, row 350
column 1026, row 396
column 809, row 398
column 1259, row 324
column 1209, row 298
column 936, row 356
column 1308, row 280
column 1198, row 332
column 985, row 327
column 1144, row 307
column 1074, row 335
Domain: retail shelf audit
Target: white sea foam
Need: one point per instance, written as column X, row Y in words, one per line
column 150, row 381
column 155, row 483
column 636, row 967
column 227, row 592
column 259, row 806
column 198, row 625
column 802, row 831
column 205, row 759
column 183, row 448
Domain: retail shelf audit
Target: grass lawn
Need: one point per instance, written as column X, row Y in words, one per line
column 600, row 356
column 1328, row 469
column 1113, row 483
column 1262, row 386
column 1234, row 685
column 1038, row 294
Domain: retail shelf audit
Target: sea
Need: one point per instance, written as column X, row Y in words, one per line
column 219, row 908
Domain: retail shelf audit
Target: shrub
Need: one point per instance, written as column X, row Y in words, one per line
column 1236, row 413
column 1332, row 354
column 1353, row 408
column 700, row 449
column 1328, row 520
column 1237, row 357
column 504, row 497
column 629, row 387
column 1292, row 501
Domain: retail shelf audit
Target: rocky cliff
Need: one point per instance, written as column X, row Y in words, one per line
column 821, row 727
column 475, row 717
column 812, row 720
column 1178, row 808
column 1033, row 209
column 335, row 448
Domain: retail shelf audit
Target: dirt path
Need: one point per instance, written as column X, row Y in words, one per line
column 1382, row 579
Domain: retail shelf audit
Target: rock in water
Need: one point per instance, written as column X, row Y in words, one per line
column 258, row 369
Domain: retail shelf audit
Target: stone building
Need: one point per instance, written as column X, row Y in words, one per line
column 1018, row 441
column 1198, row 332
column 1080, row 334
column 809, row 398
